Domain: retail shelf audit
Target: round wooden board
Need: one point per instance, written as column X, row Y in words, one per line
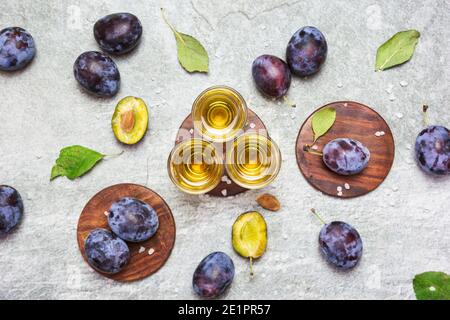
column 186, row 131
column 359, row 122
column 142, row 264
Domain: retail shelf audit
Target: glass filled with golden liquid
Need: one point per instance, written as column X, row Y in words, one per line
column 254, row 161
column 219, row 114
column 195, row 166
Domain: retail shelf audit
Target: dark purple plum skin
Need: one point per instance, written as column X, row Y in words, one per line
column 118, row 33
column 340, row 244
column 133, row 220
column 432, row 150
column 213, row 275
column 105, row 251
column 11, row 209
column 97, row 73
column 17, row 49
column 306, row 51
column 271, row 75
column 346, row 156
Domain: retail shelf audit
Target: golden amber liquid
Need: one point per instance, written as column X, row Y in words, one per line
column 219, row 114
column 195, row 166
column 254, row 161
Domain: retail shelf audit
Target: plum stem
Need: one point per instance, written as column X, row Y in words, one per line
column 113, row 155
column 317, row 216
column 289, row 102
column 425, row 115
column 307, row 148
column 176, row 33
column 251, row 267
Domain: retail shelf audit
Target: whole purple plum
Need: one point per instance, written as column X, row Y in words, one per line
column 432, row 150
column 340, row 244
column 345, row 156
column 118, row 33
column 17, row 49
column 272, row 76
column 306, row 51
column 97, row 73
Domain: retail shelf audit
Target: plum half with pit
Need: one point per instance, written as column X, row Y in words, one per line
column 432, row 150
column 306, row 51
column 213, row 275
column 97, row 73
column 11, row 209
column 118, row 33
column 132, row 219
column 130, row 120
column 346, row 156
column 105, row 251
column 17, row 49
column 271, row 75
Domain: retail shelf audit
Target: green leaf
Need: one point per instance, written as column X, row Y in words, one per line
column 322, row 121
column 74, row 161
column 397, row 50
column 191, row 53
column 432, row 286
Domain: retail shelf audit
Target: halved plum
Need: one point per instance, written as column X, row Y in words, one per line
column 130, row 120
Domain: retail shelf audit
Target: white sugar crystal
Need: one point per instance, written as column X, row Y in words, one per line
column 224, row 192
column 345, row 104
column 228, row 181
column 347, row 186
column 403, row 83
column 141, row 249
column 224, row 178
column 389, row 88
column 151, row 251
column 314, row 147
column 391, row 97
column 339, row 194
column 106, row 213
column 191, row 131
column 339, row 189
column 399, row 115
column 252, row 125
column 395, row 189
column 340, row 85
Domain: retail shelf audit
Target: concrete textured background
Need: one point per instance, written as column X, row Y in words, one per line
column 404, row 224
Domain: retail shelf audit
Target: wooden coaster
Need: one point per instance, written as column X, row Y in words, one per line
column 141, row 264
column 359, row 122
column 186, row 131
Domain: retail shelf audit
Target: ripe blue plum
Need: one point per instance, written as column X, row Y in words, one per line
column 17, row 49
column 272, row 76
column 432, row 150
column 97, row 73
column 306, row 51
column 118, row 33
column 133, row 220
column 346, row 156
column 11, row 209
column 213, row 275
column 105, row 251
column 340, row 244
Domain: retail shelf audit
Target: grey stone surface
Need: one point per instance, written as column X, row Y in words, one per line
column 405, row 223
